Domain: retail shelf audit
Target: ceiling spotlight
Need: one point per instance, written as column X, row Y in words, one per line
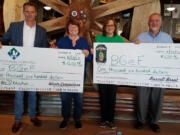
column 47, row 8
column 171, row 9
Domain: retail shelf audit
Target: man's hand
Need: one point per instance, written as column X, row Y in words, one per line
column 137, row 41
column 86, row 52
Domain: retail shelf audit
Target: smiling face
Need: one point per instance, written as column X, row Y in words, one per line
column 110, row 27
column 29, row 13
column 154, row 23
column 73, row 30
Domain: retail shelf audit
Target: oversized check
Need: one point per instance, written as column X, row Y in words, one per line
column 41, row 69
column 150, row 65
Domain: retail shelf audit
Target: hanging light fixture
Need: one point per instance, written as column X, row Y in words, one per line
column 171, row 7
column 47, row 8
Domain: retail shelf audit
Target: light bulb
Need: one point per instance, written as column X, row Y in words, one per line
column 171, row 9
column 47, row 8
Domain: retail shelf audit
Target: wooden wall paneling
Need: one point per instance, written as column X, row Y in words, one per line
column 12, row 11
column 140, row 17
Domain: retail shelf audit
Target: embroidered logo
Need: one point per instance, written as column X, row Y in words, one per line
column 101, row 53
column 13, row 53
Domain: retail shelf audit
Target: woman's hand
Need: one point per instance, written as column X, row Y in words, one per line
column 86, row 52
column 53, row 44
column 137, row 41
column 0, row 45
column 92, row 51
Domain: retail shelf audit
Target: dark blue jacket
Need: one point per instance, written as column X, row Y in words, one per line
column 14, row 35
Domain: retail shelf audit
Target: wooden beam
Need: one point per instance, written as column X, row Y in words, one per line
column 91, row 4
column 55, row 24
column 72, row 1
column 57, row 5
column 116, row 6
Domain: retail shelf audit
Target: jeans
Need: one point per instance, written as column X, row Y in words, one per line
column 19, row 104
column 107, row 94
column 66, row 99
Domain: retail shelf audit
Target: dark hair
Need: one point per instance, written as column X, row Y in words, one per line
column 29, row 4
column 105, row 24
column 73, row 22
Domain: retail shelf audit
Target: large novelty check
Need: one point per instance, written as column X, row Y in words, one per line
column 41, row 69
column 150, row 65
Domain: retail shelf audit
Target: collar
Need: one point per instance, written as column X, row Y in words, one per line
column 27, row 26
column 150, row 33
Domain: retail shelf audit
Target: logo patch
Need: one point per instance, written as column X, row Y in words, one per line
column 101, row 53
column 13, row 53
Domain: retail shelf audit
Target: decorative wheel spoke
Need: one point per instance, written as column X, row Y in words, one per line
column 96, row 25
column 116, row 6
column 91, row 3
column 96, row 31
column 54, row 24
column 73, row 1
column 57, row 5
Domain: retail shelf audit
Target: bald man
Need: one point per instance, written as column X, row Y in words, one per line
column 147, row 95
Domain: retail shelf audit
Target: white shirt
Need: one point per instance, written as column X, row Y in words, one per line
column 28, row 35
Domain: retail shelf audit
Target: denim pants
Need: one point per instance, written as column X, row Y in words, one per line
column 66, row 99
column 19, row 104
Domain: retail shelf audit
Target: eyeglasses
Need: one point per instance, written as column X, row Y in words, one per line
column 109, row 25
